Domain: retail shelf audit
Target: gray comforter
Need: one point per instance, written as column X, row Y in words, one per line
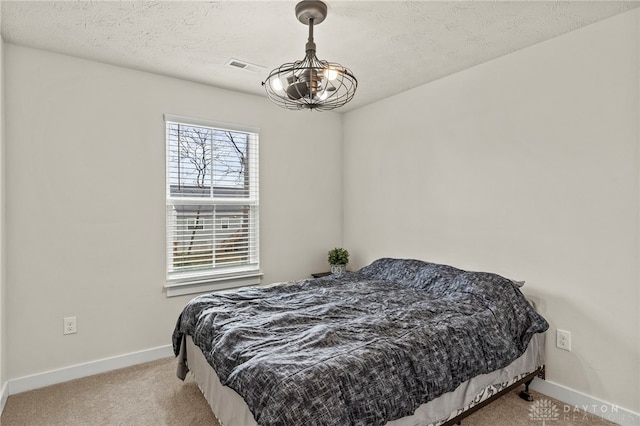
column 362, row 348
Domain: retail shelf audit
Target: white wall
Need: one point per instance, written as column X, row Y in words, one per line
column 85, row 201
column 2, row 232
column 527, row 166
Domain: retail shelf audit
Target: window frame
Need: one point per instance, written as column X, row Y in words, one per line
column 180, row 283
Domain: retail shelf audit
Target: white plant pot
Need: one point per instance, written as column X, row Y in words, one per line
column 338, row 269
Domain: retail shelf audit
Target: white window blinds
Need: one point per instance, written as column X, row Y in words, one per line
column 212, row 206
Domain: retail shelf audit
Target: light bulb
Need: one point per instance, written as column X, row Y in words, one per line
column 277, row 84
column 331, row 74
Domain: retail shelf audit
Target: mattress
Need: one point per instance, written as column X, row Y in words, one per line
column 340, row 350
column 231, row 410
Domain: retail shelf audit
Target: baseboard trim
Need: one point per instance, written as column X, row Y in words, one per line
column 4, row 394
column 577, row 400
column 572, row 398
column 47, row 378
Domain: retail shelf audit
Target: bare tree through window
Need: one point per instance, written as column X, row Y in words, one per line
column 210, row 165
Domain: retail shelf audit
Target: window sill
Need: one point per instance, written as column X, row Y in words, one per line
column 212, row 283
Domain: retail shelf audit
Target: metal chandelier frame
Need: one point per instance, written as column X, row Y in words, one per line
column 311, row 83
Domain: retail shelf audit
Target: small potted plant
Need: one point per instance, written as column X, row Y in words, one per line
column 338, row 259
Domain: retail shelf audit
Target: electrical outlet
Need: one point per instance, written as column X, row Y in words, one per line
column 70, row 325
column 563, row 339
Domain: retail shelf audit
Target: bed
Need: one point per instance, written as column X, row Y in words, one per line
column 399, row 342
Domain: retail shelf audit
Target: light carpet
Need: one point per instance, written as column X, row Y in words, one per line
column 151, row 394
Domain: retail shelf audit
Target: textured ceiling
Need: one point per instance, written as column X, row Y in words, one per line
column 391, row 46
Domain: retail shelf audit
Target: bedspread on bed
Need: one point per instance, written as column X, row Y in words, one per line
column 362, row 348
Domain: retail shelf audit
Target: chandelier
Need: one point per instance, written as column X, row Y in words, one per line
column 311, row 83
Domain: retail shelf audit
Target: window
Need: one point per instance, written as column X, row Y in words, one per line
column 212, row 206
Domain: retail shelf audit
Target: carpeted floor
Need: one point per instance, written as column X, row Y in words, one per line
column 150, row 394
column 145, row 394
